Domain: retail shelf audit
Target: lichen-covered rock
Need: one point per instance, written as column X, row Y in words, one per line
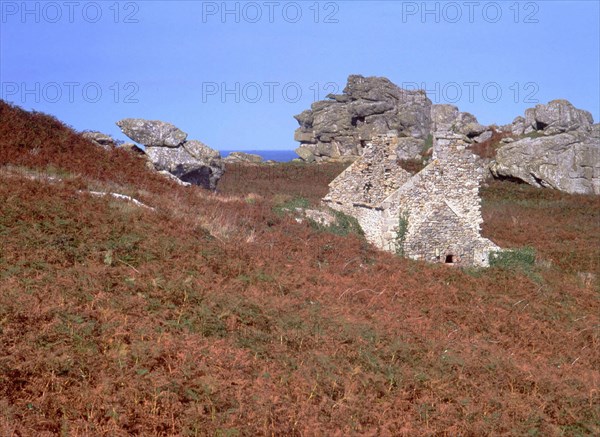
column 192, row 162
column 100, row 139
column 517, row 127
column 236, row 157
column 569, row 161
column 410, row 148
column 447, row 118
column 556, row 117
column 167, row 150
column 152, row 133
column 339, row 128
column 305, row 153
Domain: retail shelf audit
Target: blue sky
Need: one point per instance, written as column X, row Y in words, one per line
column 233, row 74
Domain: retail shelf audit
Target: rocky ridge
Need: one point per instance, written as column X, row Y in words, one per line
column 554, row 145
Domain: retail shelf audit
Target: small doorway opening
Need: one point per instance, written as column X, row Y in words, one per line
column 450, row 259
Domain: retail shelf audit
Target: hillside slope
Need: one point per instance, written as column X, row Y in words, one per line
column 220, row 314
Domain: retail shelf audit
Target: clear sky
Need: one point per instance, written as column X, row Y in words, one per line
column 233, row 74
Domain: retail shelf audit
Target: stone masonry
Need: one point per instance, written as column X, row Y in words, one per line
column 433, row 216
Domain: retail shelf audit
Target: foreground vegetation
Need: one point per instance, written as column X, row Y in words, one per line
column 219, row 315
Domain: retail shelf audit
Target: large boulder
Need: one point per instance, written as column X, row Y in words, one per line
column 152, row 132
column 192, row 162
column 556, row 117
column 167, row 150
column 339, row 128
column 568, row 161
column 448, row 119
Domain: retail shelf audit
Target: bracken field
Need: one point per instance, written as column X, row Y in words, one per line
column 219, row 314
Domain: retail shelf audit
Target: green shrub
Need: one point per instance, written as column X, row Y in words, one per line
column 516, row 259
column 342, row 226
column 291, row 205
column 428, row 144
column 401, row 232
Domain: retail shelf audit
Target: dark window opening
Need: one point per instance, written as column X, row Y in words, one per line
column 450, row 259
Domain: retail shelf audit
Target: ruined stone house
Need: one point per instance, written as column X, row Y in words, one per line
column 434, row 215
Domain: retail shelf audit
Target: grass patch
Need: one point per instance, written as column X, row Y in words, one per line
column 291, row 206
column 342, row 226
column 522, row 259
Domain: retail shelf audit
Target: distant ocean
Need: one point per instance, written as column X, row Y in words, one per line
column 274, row 155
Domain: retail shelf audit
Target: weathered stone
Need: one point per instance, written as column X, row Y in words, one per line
column 340, row 127
column 410, row 148
column 173, row 178
column 305, row 153
column 152, row 133
column 443, row 117
column 483, row 137
column 556, row 117
column 243, row 157
column 518, row 126
column 323, row 218
column 569, row 161
column 447, row 118
column 133, row 148
column 192, row 162
column 305, row 118
column 304, row 137
column 100, row 139
column 372, row 177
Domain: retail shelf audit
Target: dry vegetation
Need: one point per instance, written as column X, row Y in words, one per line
column 218, row 315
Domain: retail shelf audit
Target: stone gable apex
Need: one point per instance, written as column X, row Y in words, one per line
column 372, row 177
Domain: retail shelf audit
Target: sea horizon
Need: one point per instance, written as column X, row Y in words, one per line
column 266, row 154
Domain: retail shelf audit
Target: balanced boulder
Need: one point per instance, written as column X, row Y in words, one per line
column 167, row 149
column 152, row 132
column 192, row 162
